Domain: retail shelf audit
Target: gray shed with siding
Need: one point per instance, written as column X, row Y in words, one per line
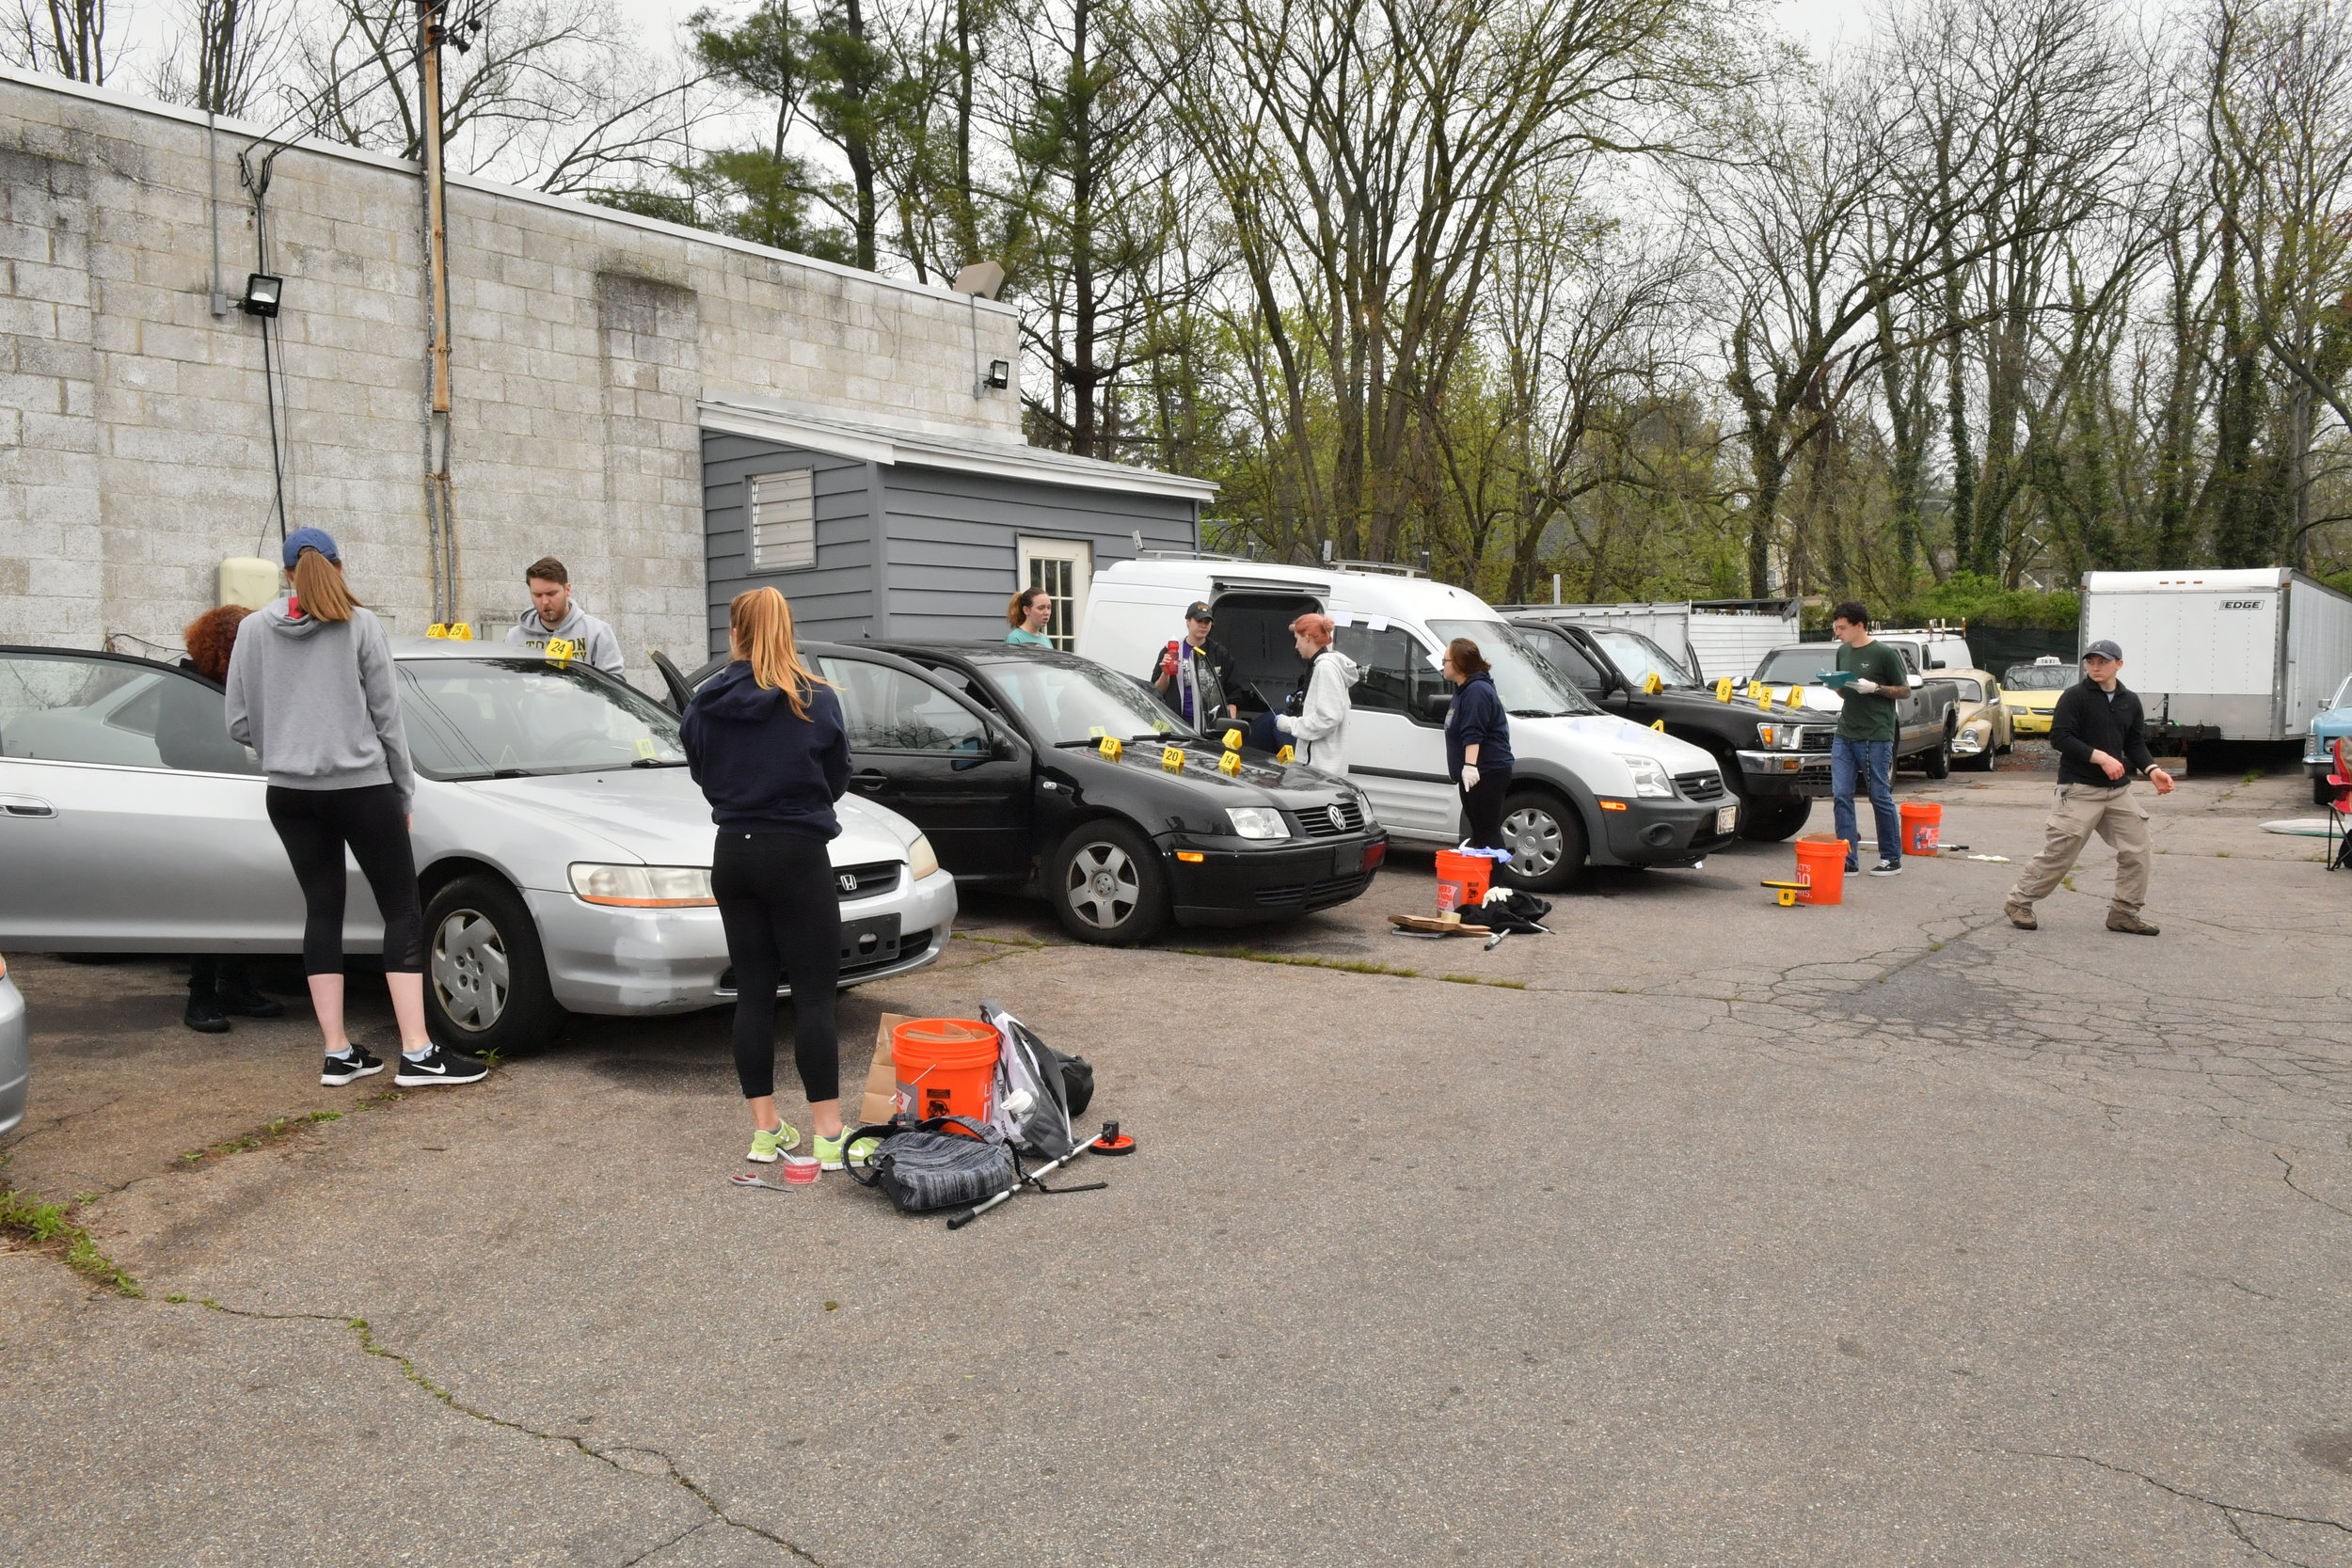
column 873, row 532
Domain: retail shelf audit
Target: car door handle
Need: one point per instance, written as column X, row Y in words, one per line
column 24, row 805
column 869, row 780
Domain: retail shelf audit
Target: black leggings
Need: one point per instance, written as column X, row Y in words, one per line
column 314, row 825
column 1483, row 807
column 782, row 921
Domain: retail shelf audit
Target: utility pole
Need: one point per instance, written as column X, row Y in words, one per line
column 439, row 501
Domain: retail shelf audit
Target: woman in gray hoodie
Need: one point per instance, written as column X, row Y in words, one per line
column 312, row 690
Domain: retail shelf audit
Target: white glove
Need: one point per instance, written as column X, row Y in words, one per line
column 1863, row 684
column 1469, row 775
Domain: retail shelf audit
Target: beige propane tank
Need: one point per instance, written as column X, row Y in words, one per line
column 248, row 581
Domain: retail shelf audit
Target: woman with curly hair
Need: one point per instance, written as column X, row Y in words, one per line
column 192, row 735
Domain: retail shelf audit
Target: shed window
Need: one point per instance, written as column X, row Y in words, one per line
column 783, row 521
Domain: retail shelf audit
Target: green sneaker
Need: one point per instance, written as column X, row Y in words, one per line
column 829, row 1151
column 767, row 1146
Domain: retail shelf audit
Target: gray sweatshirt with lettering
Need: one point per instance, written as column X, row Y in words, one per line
column 318, row 701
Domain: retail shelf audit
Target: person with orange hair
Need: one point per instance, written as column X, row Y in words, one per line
column 1318, row 730
column 189, row 736
column 764, row 739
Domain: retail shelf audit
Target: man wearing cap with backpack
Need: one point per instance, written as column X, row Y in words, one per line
column 2100, row 736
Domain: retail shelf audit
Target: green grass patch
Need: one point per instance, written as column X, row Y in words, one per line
column 283, row 1128
column 51, row 1227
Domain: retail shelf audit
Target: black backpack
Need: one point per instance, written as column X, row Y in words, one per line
column 925, row 1168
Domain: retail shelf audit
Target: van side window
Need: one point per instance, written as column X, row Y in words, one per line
column 1394, row 674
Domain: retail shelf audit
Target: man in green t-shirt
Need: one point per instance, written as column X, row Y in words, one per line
column 1864, row 747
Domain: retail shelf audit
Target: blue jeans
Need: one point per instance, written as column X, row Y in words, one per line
column 1852, row 760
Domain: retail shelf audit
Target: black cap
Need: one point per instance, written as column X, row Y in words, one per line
column 1198, row 610
column 2104, row 648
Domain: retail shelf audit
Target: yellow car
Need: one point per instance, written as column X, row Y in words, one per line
column 1981, row 728
column 2029, row 692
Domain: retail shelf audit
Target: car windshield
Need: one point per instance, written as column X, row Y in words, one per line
column 1524, row 679
column 2343, row 694
column 506, row 718
column 1066, row 700
column 1640, row 658
column 1798, row 666
column 2039, row 677
column 1970, row 690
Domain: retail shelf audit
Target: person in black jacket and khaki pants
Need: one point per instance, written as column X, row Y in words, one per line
column 2099, row 733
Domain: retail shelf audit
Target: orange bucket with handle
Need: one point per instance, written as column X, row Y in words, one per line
column 1822, row 867
column 944, row 1066
column 1923, row 827
column 1462, row 880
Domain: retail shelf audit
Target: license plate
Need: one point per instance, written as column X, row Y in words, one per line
column 1726, row 817
column 1347, row 862
column 871, row 941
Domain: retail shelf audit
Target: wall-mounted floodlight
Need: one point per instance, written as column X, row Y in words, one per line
column 261, row 294
column 999, row 374
column 982, row 278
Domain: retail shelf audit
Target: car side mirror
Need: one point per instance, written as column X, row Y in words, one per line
column 1935, row 664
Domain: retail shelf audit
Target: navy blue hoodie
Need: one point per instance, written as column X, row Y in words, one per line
column 763, row 768
column 1476, row 719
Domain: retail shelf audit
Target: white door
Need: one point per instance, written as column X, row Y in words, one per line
column 1065, row 569
column 1396, row 729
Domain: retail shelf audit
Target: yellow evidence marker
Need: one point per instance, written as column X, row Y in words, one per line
column 1785, row 894
column 1722, row 688
column 561, row 651
column 1232, row 740
column 1652, row 685
column 1658, row 724
column 1172, row 759
column 1284, row 755
column 1230, row 763
column 1111, row 748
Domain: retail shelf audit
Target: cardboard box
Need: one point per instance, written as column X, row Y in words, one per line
column 882, row 1078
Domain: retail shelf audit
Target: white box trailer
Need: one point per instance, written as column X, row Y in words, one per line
column 1722, row 637
column 2235, row 655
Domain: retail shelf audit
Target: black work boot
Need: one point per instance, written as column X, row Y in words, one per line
column 237, row 996
column 204, row 1015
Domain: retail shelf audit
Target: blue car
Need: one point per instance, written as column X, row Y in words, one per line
column 2329, row 725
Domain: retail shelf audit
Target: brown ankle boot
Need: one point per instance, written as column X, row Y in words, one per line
column 2021, row 916
column 2125, row 921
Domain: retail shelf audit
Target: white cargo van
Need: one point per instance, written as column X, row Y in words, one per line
column 2241, row 654
column 1587, row 785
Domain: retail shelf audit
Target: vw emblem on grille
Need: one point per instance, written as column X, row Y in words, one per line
column 848, row 881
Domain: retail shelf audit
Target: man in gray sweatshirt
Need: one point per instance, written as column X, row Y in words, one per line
column 553, row 614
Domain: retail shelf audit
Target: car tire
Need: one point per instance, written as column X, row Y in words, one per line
column 1106, row 884
column 1545, row 838
column 1771, row 821
column 1938, row 763
column 1982, row 760
column 476, row 929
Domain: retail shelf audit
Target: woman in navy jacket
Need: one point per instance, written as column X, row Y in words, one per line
column 1477, row 743
column 765, row 741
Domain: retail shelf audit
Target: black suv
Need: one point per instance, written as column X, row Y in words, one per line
column 1765, row 762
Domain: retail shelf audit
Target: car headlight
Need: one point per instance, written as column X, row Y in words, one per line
column 1781, row 737
column 1257, row 822
column 1649, row 779
column 922, row 860
column 642, row 887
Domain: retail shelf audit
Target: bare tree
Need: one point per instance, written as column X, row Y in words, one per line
column 226, row 54
column 65, row 38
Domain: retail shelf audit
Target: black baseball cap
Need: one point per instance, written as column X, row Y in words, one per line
column 2104, row 648
column 1199, row 611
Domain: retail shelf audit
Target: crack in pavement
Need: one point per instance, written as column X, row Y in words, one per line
column 2288, row 1179
column 369, row 1345
column 2229, row 1512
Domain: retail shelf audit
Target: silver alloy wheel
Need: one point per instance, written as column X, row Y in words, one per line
column 1103, row 886
column 1533, row 836
column 471, row 974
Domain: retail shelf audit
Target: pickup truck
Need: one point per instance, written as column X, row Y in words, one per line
column 1925, row 721
column 1613, row 666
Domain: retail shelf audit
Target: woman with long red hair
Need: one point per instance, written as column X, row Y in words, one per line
column 190, row 736
column 765, row 741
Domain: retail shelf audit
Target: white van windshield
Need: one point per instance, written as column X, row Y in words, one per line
column 1524, row 679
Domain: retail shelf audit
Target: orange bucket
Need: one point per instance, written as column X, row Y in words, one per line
column 1462, row 880
column 1923, row 827
column 1822, row 867
column 944, row 1066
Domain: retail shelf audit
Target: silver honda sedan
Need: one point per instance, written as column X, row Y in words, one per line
column 563, row 852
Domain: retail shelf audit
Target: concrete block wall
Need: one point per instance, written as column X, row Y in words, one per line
column 134, row 425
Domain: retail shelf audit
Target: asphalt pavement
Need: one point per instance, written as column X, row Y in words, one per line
column 1701, row 1232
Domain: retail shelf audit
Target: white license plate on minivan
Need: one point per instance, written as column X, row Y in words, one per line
column 1726, row 817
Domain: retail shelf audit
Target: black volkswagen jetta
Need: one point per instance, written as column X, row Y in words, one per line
column 996, row 753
